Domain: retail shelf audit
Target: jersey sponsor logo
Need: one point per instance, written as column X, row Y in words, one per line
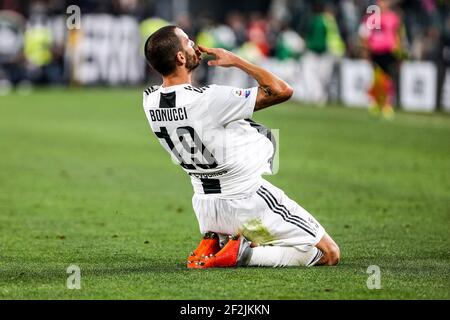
column 208, row 175
column 170, row 114
column 241, row 93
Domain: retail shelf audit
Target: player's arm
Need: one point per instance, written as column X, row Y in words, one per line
column 272, row 90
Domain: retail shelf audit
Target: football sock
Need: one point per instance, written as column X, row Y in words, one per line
column 276, row 256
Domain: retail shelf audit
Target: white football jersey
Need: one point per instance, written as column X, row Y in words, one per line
column 208, row 131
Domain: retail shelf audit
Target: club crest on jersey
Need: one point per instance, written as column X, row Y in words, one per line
column 241, row 93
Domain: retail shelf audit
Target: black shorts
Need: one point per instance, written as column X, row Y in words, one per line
column 386, row 61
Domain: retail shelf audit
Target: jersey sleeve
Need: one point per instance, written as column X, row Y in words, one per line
column 229, row 104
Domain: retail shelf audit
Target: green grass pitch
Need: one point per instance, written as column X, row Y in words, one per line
column 83, row 181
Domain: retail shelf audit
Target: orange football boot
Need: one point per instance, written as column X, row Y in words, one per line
column 208, row 246
column 236, row 252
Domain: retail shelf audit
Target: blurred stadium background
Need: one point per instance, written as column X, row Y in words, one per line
column 318, row 46
column 84, row 182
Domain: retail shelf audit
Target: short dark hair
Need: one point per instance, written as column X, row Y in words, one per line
column 161, row 49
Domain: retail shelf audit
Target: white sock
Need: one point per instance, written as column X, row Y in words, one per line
column 276, row 256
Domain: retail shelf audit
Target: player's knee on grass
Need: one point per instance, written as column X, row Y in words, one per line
column 333, row 256
column 330, row 250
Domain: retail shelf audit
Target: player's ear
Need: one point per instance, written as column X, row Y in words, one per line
column 181, row 59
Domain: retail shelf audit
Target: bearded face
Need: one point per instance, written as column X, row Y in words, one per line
column 189, row 49
column 193, row 59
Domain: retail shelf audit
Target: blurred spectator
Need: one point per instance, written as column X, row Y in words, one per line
column 443, row 62
column 334, row 42
column 384, row 45
column 147, row 27
column 257, row 33
column 205, row 36
column 317, row 32
column 43, row 53
column 324, row 45
column 184, row 21
column 349, row 23
column 12, row 27
column 289, row 44
column 130, row 7
column 224, row 37
column 150, row 25
column 236, row 21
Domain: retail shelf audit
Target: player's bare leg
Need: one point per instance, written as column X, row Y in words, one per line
column 330, row 250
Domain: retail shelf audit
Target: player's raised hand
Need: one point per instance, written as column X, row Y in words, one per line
column 222, row 57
